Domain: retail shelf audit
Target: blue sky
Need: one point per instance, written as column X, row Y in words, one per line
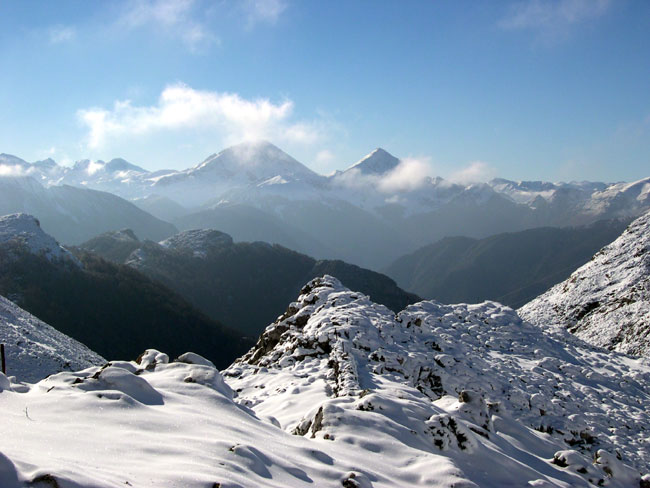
column 552, row 90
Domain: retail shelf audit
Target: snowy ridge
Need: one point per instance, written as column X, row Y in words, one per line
column 450, row 380
column 197, row 241
column 606, row 302
column 34, row 349
column 25, row 231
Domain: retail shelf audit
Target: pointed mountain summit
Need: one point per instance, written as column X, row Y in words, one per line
column 260, row 160
column 377, row 162
column 606, row 302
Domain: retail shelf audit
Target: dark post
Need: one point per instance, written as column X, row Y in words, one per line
column 2, row 353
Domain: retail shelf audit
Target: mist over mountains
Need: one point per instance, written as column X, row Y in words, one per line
column 369, row 214
column 511, row 268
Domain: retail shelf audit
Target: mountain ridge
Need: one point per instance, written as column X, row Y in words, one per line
column 512, row 268
column 607, row 301
column 221, row 277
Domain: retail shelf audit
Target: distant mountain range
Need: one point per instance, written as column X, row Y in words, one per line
column 511, row 268
column 224, row 279
column 365, row 214
column 73, row 215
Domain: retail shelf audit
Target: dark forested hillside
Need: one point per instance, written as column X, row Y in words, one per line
column 246, row 285
column 113, row 309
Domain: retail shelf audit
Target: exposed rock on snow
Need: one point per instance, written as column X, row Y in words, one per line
column 35, row 350
column 25, row 231
column 606, row 302
column 448, row 380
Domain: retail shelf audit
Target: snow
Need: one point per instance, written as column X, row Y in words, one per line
column 473, row 383
column 170, row 424
column 197, row 241
column 606, row 302
column 340, row 391
column 252, row 171
column 34, row 349
column 377, row 162
column 25, row 231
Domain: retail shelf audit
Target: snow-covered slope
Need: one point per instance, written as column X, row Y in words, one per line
column 340, row 391
column 25, row 232
column 607, row 301
column 157, row 423
column 505, row 402
column 34, row 349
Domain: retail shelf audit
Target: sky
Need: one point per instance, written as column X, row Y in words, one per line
column 534, row 90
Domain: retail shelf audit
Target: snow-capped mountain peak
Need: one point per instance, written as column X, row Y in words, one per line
column 25, row 231
column 378, row 162
column 261, row 159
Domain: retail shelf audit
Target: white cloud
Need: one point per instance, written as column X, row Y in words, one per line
column 12, row 170
column 410, row 174
column 181, row 107
column 60, row 33
column 94, row 167
column 267, row 11
column 474, row 172
column 175, row 17
column 551, row 19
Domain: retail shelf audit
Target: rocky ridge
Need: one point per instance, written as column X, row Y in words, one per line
column 451, row 380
